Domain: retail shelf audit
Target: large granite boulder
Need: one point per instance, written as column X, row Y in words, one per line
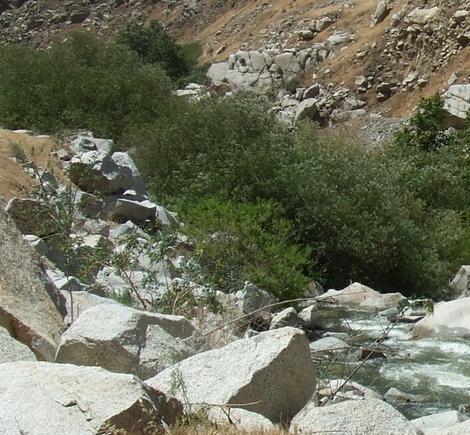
column 271, row 374
column 29, row 304
column 125, row 340
column 38, row 398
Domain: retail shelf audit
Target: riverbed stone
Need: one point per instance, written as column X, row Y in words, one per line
column 436, row 422
column 451, row 317
column 360, row 296
column 329, row 344
column 461, row 282
column 372, row 417
column 396, row 396
column 271, row 371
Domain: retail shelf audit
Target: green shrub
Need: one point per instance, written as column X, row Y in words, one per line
column 363, row 224
column 155, row 46
column 247, row 242
column 81, row 83
column 232, row 148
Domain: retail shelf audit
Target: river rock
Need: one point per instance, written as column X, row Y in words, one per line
column 436, row 422
column 30, row 306
column 394, row 395
column 451, row 317
column 360, row 296
column 328, row 344
column 271, row 371
column 458, row 429
column 125, row 340
column 345, row 390
column 372, row 417
column 287, row 317
column 57, row 399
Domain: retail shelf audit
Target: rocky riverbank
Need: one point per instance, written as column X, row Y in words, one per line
column 92, row 290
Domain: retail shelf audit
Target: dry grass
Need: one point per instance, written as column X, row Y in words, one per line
column 218, row 429
column 14, row 181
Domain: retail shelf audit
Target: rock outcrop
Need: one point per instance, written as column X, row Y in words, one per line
column 461, row 282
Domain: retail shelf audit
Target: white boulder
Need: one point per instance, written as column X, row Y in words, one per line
column 124, row 340
column 372, row 417
column 461, row 281
column 451, row 317
column 38, row 398
column 360, row 296
column 272, row 372
column 457, row 103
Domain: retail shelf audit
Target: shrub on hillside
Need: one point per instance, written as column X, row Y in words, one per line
column 155, row 46
column 81, row 83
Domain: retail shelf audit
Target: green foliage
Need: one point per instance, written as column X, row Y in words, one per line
column 81, row 83
column 398, row 220
column 232, row 148
column 291, row 84
column 426, row 126
column 392, row 220
column 364, row 224
column 155, row 46
column 247, row 242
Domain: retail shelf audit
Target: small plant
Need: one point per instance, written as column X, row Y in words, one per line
column 17, row 152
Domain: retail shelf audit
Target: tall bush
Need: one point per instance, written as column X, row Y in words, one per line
column 81, row 83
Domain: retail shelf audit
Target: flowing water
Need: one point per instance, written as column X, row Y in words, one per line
column 437, row 368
